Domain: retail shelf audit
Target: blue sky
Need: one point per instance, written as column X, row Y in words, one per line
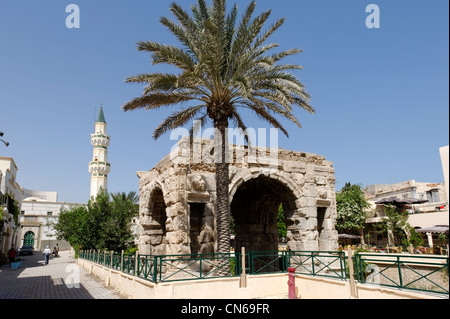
column 381, row 95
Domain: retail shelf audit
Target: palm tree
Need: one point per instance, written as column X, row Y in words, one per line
column 132, row 196
column 224, row 66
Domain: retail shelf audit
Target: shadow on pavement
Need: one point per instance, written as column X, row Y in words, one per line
column 35, row 280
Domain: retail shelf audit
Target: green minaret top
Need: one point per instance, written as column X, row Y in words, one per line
column 101, row 116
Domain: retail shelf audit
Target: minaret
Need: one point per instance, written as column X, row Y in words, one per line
column 99, row 167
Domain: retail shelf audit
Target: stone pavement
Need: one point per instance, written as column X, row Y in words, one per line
column 57, row 280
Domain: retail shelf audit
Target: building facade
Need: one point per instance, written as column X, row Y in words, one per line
column 443, row 151
column 434, row 193
column 8, row 186
column 432, row 213
column 37, row 219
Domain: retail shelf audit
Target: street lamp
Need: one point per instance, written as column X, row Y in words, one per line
column 4, row 142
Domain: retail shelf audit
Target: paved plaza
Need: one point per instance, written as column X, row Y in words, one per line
column 62, row 278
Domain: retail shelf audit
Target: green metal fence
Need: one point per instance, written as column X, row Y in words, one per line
column 424, row 273
column 319, row 263
column 202, row 266
column 264, row 262
column 169, row 267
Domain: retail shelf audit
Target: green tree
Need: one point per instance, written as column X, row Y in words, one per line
column 282, row 229
column 116, row 231
column 102, row 224
column 395, row 224
column 224, row 66
column 77, row 228
column 414, row 238
column 351, row 208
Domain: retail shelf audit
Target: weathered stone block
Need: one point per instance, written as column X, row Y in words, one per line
column 309, row 190
column 322, row 192
column 156, row 240
column 294, row 166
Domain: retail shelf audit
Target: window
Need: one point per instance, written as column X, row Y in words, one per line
column 433, row 196
column 49, row 213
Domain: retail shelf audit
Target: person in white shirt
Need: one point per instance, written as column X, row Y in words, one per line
column 46, row 254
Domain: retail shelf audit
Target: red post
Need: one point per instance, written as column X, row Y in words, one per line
column 291, row 283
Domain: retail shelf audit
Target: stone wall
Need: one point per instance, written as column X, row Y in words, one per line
column 177, row 210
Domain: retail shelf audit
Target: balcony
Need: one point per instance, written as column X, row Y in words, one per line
column 99, row 167
column 100, row 140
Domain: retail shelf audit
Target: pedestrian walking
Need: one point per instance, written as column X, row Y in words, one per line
column 46, row 254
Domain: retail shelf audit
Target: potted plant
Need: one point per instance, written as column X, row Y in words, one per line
column 16, row 263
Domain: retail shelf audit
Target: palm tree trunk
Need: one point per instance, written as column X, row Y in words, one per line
column 222, row 183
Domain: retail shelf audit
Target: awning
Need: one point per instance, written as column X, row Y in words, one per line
column 398, row 201
column 438, row 229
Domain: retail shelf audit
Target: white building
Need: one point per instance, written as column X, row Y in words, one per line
column 443, row 151
column 8, row 185
column 99, row 166
column 426, row 215
column 41, row 195
column 37, row 218
column 434, row 193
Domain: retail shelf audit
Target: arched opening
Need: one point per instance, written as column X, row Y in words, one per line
column 153, row 223
column 254, row 209
column 28, row 239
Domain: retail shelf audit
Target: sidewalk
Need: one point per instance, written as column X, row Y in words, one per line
column 34, row 280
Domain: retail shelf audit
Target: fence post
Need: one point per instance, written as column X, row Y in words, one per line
column 243, row 279
column 111, row 260
column 291, row 282
column 399, row 272
column 136, row 263
column 121, row 260
column 353, row 290
column 155, row 269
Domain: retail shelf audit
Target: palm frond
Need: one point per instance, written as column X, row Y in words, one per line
column 156, row 100
column 168, row 54
column 177, row 119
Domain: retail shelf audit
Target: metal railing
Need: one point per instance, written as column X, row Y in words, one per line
column 202, row 266
column 319, row 263
column 169, row 267
column 415, row 272
column 423, row 273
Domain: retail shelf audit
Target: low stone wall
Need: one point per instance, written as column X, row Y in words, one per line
column 258, row 286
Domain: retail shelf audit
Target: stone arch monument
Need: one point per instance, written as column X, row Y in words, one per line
column 177, row 200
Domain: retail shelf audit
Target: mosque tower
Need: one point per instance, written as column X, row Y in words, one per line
column 99, row 166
